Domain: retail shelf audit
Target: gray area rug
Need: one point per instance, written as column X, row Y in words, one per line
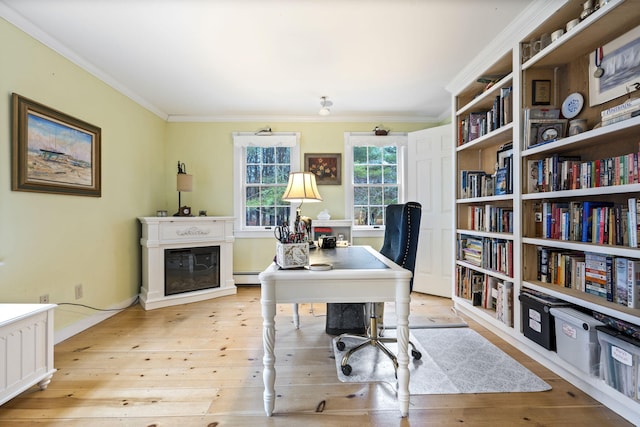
column 437, row 319
column 454, row 361
column 426, row 322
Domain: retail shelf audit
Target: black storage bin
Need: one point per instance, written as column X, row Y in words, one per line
column 537, row 321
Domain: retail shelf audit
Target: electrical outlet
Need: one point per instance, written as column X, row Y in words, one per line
column 79, row 291
column 44, row 299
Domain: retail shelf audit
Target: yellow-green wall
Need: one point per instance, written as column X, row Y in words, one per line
column 50, row 243
column 207, row 151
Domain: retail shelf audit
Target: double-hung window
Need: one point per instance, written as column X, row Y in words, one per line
column 375, row 177
column 261, row 172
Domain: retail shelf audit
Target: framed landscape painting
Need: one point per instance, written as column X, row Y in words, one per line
column 53, row 152
column 620, row 66
column 325, row 166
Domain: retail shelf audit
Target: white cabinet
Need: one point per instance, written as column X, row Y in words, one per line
column 26, row 348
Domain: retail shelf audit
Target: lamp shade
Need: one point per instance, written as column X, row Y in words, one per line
column 184, row 182
column 302, row 188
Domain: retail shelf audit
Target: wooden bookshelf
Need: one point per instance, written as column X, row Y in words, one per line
column 565, row 63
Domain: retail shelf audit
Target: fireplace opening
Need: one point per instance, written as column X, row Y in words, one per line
column 191, row 269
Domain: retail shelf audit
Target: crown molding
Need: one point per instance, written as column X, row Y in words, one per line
column 30, row 29
column 303, row 119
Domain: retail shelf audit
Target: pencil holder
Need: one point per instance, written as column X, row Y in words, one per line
column 292, row 255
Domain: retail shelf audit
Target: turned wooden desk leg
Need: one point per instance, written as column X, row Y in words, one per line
column 402, row 314
column 268, row 342
column 296, row 316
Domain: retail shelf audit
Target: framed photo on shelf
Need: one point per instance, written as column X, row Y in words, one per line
column 621, row 65
column 327, row 167
column 543, row 131
column 541, row 92
column 53, row 152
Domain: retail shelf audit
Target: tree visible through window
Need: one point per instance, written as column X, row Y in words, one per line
column 375, row 183
column 267, row 172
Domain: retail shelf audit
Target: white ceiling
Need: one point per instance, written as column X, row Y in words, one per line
column 272, row 59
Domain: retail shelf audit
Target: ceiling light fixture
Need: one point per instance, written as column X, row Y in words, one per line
column 324, row 110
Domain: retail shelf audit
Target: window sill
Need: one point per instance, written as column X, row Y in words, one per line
column 253, row 234
column 368, row 232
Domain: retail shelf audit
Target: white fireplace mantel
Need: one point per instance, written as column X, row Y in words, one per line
column 160, row 233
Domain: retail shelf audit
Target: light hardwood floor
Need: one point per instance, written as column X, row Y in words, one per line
column 200, row 364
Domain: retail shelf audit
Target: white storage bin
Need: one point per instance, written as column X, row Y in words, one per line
column 577, row 339
column 619, row 359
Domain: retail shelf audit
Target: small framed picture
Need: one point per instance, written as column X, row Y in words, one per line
column 544, row 131
column 327, row 167
column 541, row 92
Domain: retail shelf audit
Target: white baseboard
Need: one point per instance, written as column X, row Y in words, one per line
column 87, row 322
column 90, row 321
column 246, row 278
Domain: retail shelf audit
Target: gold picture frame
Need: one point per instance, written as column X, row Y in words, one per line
column 53, row 152
column 327, row 167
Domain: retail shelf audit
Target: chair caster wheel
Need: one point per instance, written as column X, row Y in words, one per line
column 340, row 346
column 346, row 369
column 416, row 354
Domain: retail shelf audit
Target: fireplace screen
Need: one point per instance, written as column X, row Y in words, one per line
column 191, row 269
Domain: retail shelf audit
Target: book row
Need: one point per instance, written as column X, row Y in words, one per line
column 557, row 173
column 628, row 109
column 487, row 292
column 486, row 252
column 603, row 223
column 474, row 183
column 493, row 219
column 617, row 279
column 480, row 123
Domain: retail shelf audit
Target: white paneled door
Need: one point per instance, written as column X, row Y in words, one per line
column 429, row 171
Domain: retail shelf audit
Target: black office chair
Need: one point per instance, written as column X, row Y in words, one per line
column 402, row 226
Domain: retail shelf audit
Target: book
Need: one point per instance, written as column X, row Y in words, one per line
column 543, row 265
column 632, row 221
column 587, row 218
column 621, row 108
column 467, row 187
column 488, row 299
column 476, row 127
column 579, row 280
column 504, row 302
column 622, row 287
column 506, row 111
column 596, row 274
column 633, row 283
column 533, row 169
column 501, row 181
column 622, row 117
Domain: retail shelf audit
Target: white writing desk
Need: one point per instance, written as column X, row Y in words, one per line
column 360, row 274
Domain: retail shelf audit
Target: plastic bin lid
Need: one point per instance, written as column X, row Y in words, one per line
column 617, row 334
column 574, row 316
column 543, row 299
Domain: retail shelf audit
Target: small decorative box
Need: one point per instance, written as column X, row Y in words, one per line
column 292, row 255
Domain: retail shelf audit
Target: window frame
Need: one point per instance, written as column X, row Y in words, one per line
column 359, row 139
column 242, row 140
